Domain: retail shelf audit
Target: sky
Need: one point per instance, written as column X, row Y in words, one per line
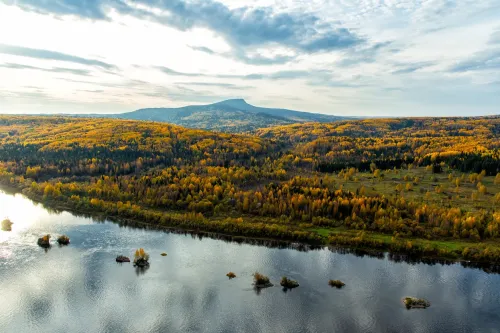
column 340, row 57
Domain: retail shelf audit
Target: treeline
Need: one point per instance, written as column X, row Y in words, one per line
column 298, row 203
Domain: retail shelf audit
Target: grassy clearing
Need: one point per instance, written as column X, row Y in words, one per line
column 423, row 184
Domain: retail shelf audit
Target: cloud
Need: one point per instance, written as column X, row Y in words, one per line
column 170, row 71
column 127, row 84
column 31, row 96
column 203, row 49
column 242, row 27
column 82, row 72
column 410, row 68
column 216, row 84
column 180, row 93
column 51, row 55
column 365, row 54
column 88, row 8
column 175, row 92
column 327, row 81
column 278, row 75
column 97, row 91
column 487, row 59
column 261, row 60
column 247, row 26
column 495, row 37
column 316, row 48
column 335, row 39
column 434, row 10
column 240, row 55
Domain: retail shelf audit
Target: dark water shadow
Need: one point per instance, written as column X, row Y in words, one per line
column 141, row 270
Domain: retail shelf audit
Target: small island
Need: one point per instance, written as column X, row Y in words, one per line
column 231, row 275
column 416, row 303
column 288, row 283
column 63, row 240
column 122, row 259
column 141, row 258
column 336, row 283
column 44, row 241
column 261, row 281
column 7, row 225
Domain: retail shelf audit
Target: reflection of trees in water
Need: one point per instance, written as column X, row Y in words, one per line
column 413, row 260
column 141, row 270
column 256, row 290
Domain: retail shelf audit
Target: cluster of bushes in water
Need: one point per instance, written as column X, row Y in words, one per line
column 44, row 241
column 141, row 258
column 7, row 225
column 63, row 240
column 288, row 283
column 416, row 303
column 336, row 283
column 261, row 281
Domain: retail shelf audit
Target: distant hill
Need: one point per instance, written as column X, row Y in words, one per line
column 233, row 115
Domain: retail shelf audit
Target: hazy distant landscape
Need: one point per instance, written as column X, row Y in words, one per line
column 234, row 115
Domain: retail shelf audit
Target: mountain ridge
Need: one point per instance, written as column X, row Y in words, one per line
column 231, row 115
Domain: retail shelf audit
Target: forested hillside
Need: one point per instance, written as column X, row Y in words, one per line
column 464, row 144
column 426, row 186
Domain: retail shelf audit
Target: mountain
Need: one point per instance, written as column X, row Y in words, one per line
column 233, row 115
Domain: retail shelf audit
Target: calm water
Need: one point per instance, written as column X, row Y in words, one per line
column 80, row 288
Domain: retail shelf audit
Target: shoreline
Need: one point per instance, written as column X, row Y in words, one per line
column 301, row 245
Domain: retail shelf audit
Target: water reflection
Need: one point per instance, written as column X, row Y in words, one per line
column 140, row 270
column 80, row 288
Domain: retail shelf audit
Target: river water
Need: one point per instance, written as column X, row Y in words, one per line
column 80, row 287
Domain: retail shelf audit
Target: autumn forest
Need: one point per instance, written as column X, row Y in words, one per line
column 426, row 186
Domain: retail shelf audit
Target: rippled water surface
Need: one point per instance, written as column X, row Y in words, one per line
column 80, row 288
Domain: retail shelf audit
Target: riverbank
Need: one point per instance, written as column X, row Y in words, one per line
column 254, row 228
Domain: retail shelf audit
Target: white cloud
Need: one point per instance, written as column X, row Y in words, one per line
column 399, row 58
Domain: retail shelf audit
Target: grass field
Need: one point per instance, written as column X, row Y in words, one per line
column 423, row 185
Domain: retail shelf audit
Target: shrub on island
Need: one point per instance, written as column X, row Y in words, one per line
column 122, row 259
column 261, row 281
column 44, row 241
column 63, row 240
column 336, row 283
column 141, row 258
column 7, row 225
column 288, row 283
column 416, row 303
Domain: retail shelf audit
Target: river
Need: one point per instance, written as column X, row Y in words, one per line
column 80, row 287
